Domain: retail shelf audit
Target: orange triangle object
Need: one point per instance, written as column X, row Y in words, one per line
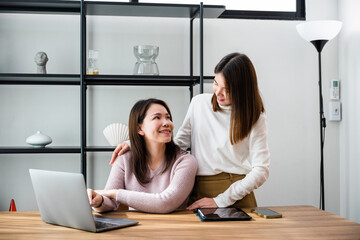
column 12, row 207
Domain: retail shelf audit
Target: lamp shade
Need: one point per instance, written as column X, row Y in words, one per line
column 319, row 30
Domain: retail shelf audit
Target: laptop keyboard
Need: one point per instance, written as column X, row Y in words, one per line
column 104, row 223
column 101, row 225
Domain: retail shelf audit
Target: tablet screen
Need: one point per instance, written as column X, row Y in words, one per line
column 223, row 214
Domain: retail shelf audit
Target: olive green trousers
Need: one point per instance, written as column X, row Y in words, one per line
column 211, row 186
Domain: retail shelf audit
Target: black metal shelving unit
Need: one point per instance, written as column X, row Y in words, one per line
column 39, row 79
column 19, row 150
column 133, row 80
column 40, row 7
column 83, row 9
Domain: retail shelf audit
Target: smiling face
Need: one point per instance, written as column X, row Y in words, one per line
column 220, row 90
column 157, row 125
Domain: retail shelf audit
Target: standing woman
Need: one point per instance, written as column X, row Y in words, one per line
column 156, row 175
column 227, row 134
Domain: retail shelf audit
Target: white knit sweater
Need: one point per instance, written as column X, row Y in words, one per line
column 207, row 133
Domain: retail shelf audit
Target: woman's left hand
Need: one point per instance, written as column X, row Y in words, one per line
column 108, row 193
column 95, row 199
column 203, row 203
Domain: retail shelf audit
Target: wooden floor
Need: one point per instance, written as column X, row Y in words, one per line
column 298, row 222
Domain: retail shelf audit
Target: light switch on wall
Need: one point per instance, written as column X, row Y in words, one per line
column 335, row 111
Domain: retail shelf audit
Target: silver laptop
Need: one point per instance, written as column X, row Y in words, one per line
column 62, row 200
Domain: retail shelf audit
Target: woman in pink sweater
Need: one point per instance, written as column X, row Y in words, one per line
column 156, row 175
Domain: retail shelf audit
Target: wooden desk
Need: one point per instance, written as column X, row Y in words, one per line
column 298, row 222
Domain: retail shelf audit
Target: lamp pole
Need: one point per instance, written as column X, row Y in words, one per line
column 319, row 33
column 319, row 44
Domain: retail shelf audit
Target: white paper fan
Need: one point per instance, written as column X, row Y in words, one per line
column 116, row 133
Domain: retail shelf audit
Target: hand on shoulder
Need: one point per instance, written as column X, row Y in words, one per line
column 119, row 150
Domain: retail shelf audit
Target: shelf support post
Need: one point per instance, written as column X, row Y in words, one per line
column 83, row 89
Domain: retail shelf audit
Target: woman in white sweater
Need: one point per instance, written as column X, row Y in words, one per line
column 227, row 134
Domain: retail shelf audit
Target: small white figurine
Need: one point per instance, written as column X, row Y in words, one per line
column 41, row 59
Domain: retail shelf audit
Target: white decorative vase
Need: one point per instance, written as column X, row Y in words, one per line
column 38, row 140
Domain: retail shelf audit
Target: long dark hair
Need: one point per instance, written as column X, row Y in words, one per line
column 139, row 153
column 246, row 103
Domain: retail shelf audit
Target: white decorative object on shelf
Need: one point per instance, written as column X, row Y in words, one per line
column 39, row 140
column 93, row 56
column 145, row 55
column 41, row 59
column 116, row 133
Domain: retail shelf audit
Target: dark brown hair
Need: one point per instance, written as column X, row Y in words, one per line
column 139, row 153
column 246, row 103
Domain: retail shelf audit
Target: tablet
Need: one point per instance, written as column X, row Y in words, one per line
column 222, row 214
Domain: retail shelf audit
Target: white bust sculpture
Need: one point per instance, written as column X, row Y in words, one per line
column 41, row 59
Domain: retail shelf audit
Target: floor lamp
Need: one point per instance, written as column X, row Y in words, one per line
column 319, row 33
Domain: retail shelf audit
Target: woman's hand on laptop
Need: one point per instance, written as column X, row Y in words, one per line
column 119, row 150
column 95, row 199
column 110, row 193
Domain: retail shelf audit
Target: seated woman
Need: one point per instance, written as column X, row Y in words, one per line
column 156, row 175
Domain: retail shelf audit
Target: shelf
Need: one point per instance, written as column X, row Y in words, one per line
column 151, row 9
column 17, row 150
column 39, row 79
column 110, row 8
column 74, row 79
column 40, row 6
column 143, row 80
column 100, row 149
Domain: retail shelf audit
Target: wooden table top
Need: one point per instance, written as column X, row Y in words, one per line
column 298, row 222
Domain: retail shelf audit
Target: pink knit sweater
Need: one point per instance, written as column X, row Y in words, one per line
column 164, row 193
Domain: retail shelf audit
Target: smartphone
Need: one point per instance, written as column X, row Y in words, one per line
column 266, row 213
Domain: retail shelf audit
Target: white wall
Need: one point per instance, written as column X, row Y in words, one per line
column 349, row 55
column 287, row 73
